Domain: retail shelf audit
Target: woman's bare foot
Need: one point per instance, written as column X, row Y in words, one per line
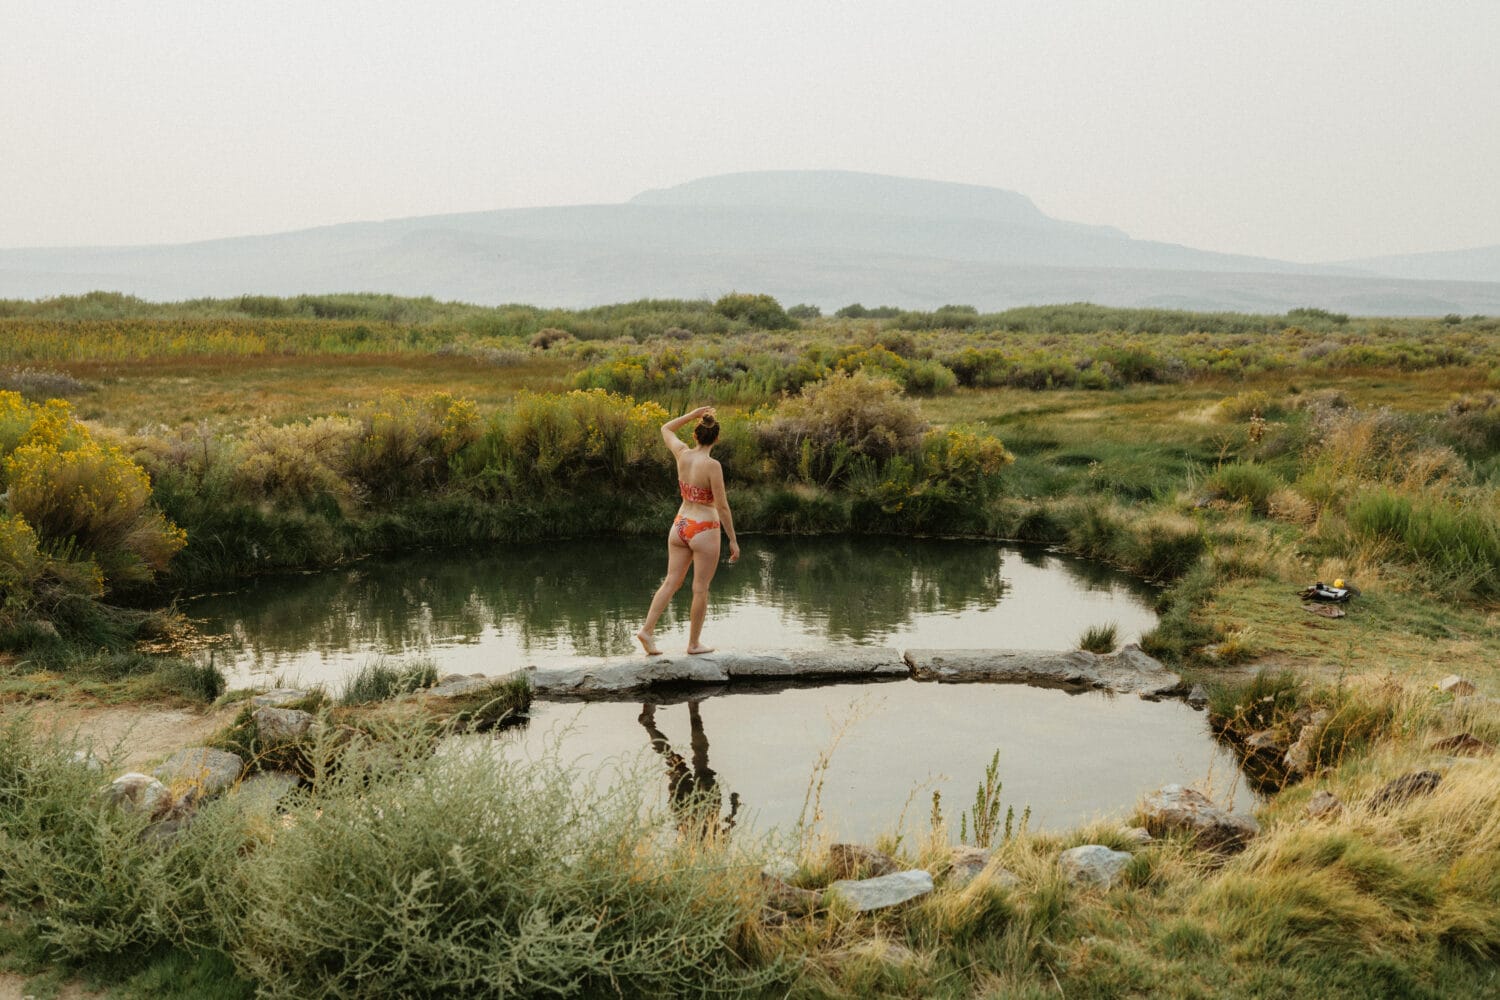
column 648, row 643
column 700, row 648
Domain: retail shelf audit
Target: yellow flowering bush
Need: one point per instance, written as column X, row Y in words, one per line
column 295, row 462
column 80, row 496
column 405, row 444
column 547, row 439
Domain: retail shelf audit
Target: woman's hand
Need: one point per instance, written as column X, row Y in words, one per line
column 701, row 411
column 734, row 552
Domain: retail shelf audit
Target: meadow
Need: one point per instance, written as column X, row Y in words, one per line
column 150, row 449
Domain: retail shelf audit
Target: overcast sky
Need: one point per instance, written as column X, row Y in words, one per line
column 1305, row 129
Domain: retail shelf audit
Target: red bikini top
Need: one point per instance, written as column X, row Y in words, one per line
column 696, row 494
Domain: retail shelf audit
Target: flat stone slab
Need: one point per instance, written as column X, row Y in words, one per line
column 1128, row 671
column 203, row 771
column 608, row 678
column 863, row 895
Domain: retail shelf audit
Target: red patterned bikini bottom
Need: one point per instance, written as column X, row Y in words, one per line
column 687, row 527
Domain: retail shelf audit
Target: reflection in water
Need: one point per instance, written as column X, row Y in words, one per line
column 585, row 598
column 694, row 794
column 877, row 751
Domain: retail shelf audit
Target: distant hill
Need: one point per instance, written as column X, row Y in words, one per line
column 1478, row 264
column 823, row 237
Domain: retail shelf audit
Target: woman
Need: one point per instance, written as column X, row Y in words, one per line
column 694, row 536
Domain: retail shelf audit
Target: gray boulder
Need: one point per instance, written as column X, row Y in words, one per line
column 1138, row 835
column 1455, row 685
column 1175, row 808
column 139, row 794
column 266, row 789
column 864, row 895
column 1298, row 757
column 1093, row 864
column 1408, row 786
column 278, row 697
column 1197, row 697
column 788, row 898
column 282, row 725
column 1128, row 671
column 968, row 863
column 1324, row 805
column 847, row 861
column 200, row 772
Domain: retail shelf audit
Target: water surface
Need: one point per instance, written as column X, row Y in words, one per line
column 1071, row 758
column 544, row 603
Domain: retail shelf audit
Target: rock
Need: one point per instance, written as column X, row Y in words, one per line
column 1175, row 808
column 605, row 678
column 787, row 898
column 1405, row 787
column 454, row 685
column 1093, row 864
column 1128, row 671
column 1324, row 805
column 277, row 697
column 864, row 895
column 1464, row 744
column 1456, row 685
column 968, row 863
column 267, row 788
column 1267, row 741
column 140, row 794
column 88, row 760
column 1138, row 835
column 1298, row 759
column 1197, row 697
column 282, row 725
column 848, row 861
column 201, row 771
column 783, row 867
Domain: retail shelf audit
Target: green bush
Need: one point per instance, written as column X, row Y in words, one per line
column 1458, row 544
column 814, row 436
column 759, row 311
column 473, row 873
column 1243, row 482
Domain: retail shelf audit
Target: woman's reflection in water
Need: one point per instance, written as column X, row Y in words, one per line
column 694, row 792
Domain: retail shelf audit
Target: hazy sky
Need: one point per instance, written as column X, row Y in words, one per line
column 1306, row 129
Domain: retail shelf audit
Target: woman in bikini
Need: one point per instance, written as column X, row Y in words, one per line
column 693, row 539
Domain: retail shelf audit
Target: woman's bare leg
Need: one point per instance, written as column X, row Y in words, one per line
column 705, row 563
column 679, row 558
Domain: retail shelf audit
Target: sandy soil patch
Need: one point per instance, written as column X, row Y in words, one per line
column 143, row 734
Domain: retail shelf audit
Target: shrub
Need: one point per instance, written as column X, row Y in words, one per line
column 546, row 338
column 759, row 311
column 405, row 444
column 475, row 873
column 544, row 441
column 80, row 497
column 296, row 463
column 814, row 436
column 1244, row 482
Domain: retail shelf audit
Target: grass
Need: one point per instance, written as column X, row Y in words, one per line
column 1210, row 460
column 1100, row 638
column 381, row 681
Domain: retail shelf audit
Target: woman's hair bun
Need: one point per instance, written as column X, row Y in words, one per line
column 707, row 420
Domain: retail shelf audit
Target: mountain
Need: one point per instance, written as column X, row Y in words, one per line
column 1477, row 264
column 823, row 237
